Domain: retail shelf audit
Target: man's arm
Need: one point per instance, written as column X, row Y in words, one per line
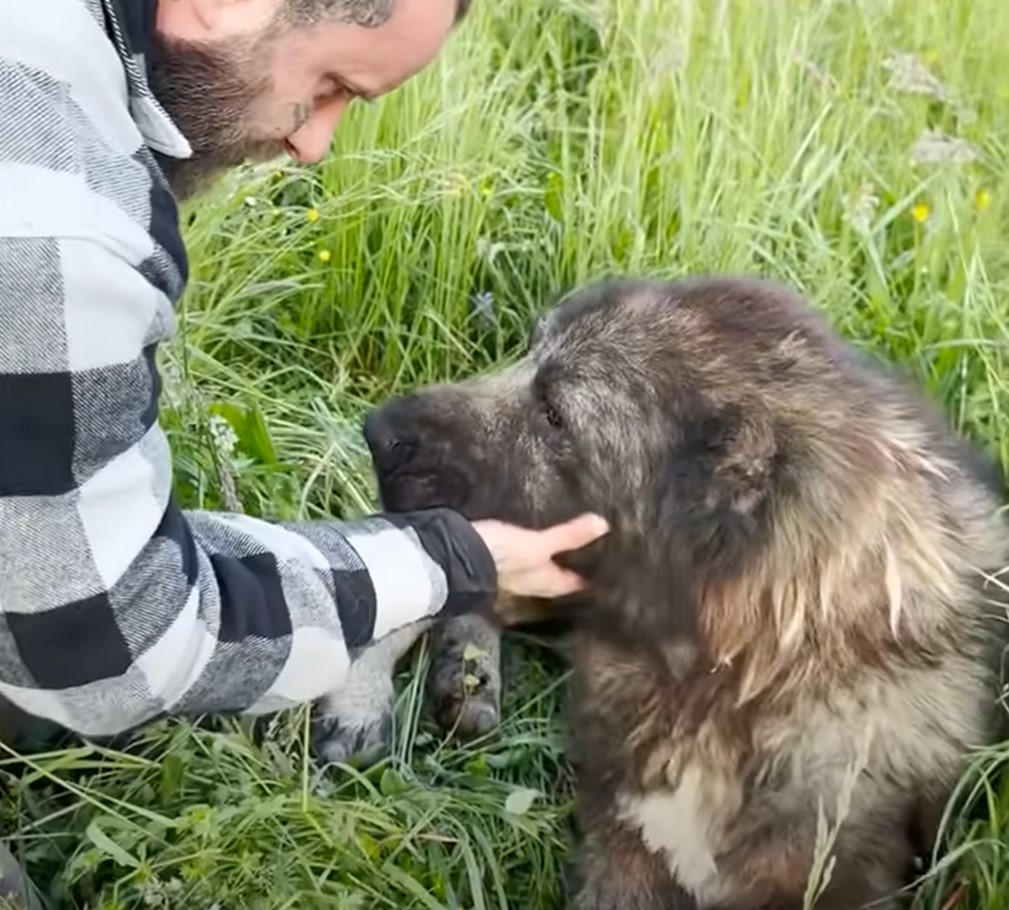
column 115, row 605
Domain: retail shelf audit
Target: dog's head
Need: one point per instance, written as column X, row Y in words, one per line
column 720, row 426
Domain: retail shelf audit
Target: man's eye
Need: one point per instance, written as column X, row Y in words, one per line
column 333, row 90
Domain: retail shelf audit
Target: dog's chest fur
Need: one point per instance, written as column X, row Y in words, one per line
column 703, row 794
column 673, row 822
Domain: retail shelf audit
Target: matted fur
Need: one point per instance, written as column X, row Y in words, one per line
column 797, row 585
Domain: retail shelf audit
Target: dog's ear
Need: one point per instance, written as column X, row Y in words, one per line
column 718, row 484
column 744, row 475
column 543, row 313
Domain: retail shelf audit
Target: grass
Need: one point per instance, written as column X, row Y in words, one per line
column 555, row 142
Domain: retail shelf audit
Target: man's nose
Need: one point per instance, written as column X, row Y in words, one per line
column 311, row 143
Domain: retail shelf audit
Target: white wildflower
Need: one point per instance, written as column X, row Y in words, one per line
column 488, row 249
column 154, row 894
column 911, row 75
column 225, row 441
column 934, row 147
column 860, row 208
column 483, row 309
column 223, row 436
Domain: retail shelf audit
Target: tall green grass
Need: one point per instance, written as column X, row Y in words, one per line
column 555, row 142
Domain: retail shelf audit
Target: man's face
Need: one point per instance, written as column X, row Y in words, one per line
column 241, row 87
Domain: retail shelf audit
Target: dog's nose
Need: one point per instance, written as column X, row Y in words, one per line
column 391, row 442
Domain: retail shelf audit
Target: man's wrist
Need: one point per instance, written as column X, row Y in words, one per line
column 454, row 542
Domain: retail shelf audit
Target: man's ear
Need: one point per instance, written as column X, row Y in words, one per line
column 213, row 20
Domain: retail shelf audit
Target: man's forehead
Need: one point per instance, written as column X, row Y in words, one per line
column 371, row 61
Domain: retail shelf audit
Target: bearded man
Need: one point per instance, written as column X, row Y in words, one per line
column 117, row 606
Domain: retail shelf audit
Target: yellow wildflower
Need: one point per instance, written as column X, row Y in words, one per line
column 920, row 212
column 312, row 214
column 982, row 199
column 324, row 255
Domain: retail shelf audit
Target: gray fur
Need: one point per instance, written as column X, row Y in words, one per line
column 795, row 595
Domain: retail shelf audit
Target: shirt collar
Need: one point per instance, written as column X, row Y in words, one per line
column 131, row 27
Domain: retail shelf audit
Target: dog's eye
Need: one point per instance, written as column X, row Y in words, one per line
column 542, row 389
column 552, row 415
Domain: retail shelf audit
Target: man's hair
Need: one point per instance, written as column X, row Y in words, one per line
column 368, row 13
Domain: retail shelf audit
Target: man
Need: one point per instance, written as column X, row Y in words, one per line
column 116, row 606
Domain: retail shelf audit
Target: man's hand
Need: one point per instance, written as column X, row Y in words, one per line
column 524, row 557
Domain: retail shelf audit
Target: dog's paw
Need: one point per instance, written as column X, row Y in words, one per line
column 465, row 680
column 359, row 742
column 353, row 725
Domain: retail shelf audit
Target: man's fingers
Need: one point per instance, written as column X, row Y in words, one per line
column 558, row 582
column 524, row 557
column 569, row 583
column 576, row 533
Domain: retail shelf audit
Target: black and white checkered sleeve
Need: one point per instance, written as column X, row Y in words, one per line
column 116, row 606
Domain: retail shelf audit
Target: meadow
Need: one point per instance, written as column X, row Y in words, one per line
column 858, row 149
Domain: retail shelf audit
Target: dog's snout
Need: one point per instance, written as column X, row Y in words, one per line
column 389, row 437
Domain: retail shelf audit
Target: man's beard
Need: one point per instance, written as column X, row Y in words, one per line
column 210, row 93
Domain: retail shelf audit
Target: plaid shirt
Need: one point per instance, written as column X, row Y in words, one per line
column 117, row 606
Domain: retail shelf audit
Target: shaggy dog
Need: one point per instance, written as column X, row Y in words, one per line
column 794, row 610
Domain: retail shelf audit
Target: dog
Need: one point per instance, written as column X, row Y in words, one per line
column 795, row 620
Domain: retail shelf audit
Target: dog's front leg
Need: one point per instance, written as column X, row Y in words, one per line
column 354, row 722
column 465, row 681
